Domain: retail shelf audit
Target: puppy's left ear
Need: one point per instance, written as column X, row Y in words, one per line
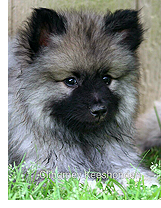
column 126, row 27
column 37, row 32
column 42, row 24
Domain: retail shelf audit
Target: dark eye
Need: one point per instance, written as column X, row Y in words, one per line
column 71, row 82
column 107, row 80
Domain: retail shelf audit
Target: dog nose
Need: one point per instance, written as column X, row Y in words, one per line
column 98, row 111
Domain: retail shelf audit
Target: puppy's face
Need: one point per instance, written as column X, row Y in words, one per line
column 82, row 66
column 89, row 104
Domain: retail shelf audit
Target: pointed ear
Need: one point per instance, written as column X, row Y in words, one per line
column 42, row 23
column 126, row 26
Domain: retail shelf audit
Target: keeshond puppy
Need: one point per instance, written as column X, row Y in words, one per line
column 73, row 92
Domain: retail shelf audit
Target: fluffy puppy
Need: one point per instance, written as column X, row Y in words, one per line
column 73, row 92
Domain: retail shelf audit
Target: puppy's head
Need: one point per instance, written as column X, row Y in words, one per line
column 81, row 68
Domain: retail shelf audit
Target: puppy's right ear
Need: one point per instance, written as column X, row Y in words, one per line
column 125, row 27
column 40, row 26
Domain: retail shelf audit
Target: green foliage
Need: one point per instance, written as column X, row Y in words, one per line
column 23, row 186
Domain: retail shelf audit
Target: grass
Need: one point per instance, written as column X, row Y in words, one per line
column 22, row 186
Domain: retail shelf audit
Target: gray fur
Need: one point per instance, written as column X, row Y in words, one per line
column 32, row 86
column 148, row 129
